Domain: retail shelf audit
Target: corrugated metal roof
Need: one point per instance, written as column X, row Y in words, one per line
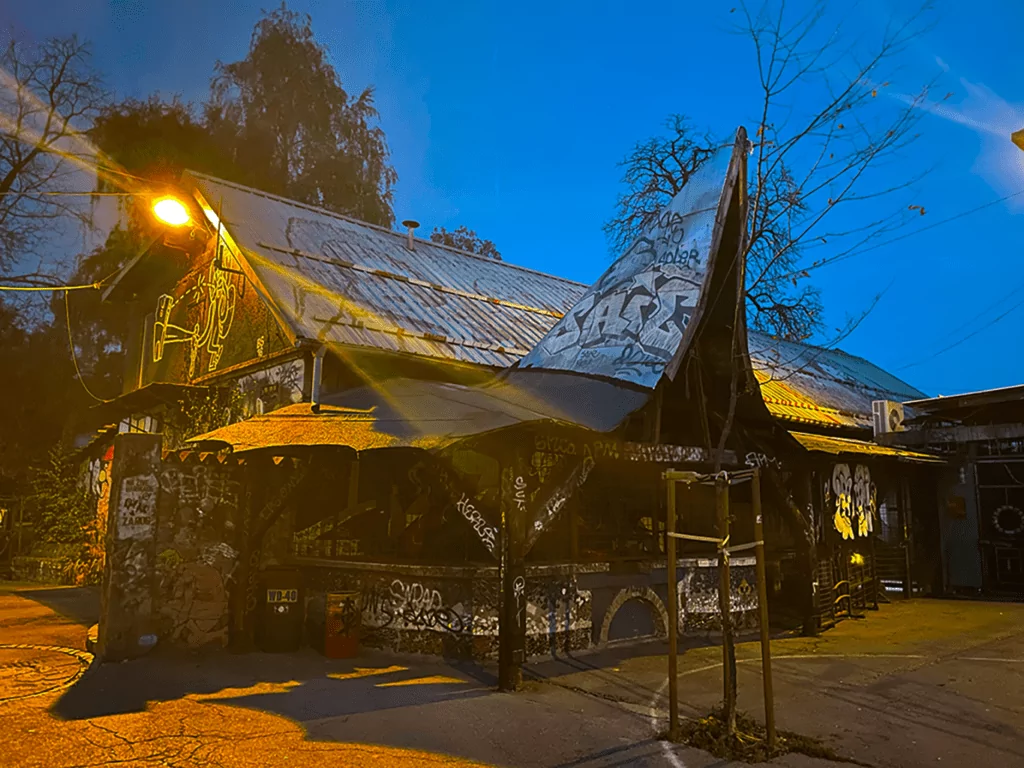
column 347, row 282
column 820, row 386
column 840, row 445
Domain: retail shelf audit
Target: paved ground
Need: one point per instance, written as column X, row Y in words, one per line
column 908, row 686
column 924, row 683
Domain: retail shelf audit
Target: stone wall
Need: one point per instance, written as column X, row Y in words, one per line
column 174, row 531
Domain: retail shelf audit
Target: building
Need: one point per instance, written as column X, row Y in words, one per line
column 981, row 494
column 472, row 449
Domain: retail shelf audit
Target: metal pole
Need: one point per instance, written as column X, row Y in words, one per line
column 673, row 612
column 762, row 607
column 725, row 607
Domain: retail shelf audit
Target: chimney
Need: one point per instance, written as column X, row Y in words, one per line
column 411, row 226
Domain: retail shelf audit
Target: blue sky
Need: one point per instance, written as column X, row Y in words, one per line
column 511, row 118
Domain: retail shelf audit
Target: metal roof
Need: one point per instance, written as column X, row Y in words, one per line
column 348, row 282
column 841, row 445
column 820, row 386
column 969, row 399
column 344, row 281
column 638, row 317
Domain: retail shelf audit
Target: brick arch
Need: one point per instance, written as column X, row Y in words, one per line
column 644, row 594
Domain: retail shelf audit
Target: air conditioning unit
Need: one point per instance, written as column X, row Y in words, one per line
column 887, row 416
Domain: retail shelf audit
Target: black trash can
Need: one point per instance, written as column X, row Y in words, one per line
column 279, row 628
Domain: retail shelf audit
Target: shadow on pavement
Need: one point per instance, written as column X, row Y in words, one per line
column 78, row 604
column 302, row 686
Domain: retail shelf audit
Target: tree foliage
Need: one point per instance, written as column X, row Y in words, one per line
column 282, row 114
column 157, row 139
column 465, row 239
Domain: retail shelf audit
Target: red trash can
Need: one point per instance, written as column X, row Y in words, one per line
column 343, row 622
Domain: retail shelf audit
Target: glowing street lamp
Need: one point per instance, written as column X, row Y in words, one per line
column 171, row 211
column 1018, row 138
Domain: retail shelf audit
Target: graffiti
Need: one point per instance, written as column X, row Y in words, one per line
column 136, row 508
column 632, row 322
column 203, row 488
column 549, row 451
column 561, row 495
column 198, row 606
column 216, row 296
column 411, row 606
column 520, row 494
column 488, row 534
column 855, row 501
column 519, row 593
column 762, row 460
column 555, row 445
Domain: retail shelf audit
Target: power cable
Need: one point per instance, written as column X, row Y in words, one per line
column 965, row 338
column 97, row 285
column 74, row 357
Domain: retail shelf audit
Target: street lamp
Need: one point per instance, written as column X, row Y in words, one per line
column 171, row 211
column 1018, row 138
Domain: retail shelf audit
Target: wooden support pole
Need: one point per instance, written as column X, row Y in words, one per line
column 725, row 608
column 762, row 607
column 673, row 611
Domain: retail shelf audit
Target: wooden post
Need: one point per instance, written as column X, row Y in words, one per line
column 673, row 611
column 512, row 577
column 908, row 582
column 21, row 521
column 762, row 608
column 725, row 608
column 574, row 528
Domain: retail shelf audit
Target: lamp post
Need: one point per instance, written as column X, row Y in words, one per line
column 1018, row 138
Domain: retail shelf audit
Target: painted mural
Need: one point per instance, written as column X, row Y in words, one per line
column 210, row 320
column 632, row 321
column 855, row 498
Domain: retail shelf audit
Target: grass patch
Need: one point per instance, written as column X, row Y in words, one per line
column 750, row 742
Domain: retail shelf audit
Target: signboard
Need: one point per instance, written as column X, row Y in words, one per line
column 282, row 596
column 136, row 507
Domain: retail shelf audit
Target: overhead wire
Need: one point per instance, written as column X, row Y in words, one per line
column 74, row 356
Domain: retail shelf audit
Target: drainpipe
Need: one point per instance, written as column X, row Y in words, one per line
column 318, row 370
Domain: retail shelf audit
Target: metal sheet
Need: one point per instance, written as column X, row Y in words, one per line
column 821, row 386
column 632, row 322
column 348, row 282
column 841, row 445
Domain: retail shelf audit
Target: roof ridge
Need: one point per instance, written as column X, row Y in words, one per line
column 378, row 227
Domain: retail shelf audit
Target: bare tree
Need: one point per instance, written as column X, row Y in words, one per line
column 48, row 93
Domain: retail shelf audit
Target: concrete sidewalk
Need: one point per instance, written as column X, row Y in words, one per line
column 918, row 683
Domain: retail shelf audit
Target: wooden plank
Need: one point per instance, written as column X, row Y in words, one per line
column 969, row 434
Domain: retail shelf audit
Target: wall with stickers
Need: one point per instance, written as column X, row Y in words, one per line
column 210, row 320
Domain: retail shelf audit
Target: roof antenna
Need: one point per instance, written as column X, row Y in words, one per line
column 411, row 226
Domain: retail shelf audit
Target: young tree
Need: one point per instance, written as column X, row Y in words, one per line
column 48, row 93
column 465, row 239
column 283, row 114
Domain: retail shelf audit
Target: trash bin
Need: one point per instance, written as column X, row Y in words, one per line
column 341, row 629
column 280, row 626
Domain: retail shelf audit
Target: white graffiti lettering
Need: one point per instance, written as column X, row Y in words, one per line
column 762, row 460
column 488, row 534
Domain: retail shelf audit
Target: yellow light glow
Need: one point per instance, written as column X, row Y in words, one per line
column 171, row 211
column 857, row 558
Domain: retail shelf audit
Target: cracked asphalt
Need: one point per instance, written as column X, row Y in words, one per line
column 927, row 683
column 270, row 710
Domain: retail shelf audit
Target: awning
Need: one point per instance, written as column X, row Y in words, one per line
column 838, row 445
column 399, row 413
